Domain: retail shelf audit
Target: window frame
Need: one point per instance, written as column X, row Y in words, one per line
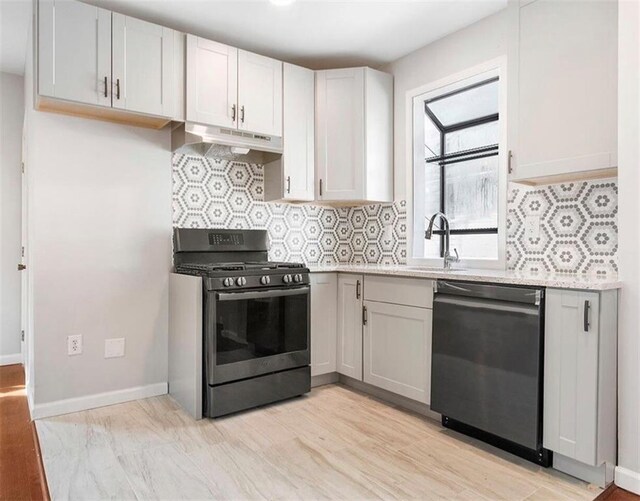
column 445, row 158
column 415, row 106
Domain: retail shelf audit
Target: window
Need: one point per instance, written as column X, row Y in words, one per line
column 457, row 168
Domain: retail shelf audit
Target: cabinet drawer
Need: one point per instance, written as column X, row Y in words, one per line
column 397, row 290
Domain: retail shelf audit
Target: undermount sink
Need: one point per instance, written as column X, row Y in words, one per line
column 438, row 269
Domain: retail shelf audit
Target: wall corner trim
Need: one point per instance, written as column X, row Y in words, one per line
column 58, row 407
column 628, row 480
column 14, row 358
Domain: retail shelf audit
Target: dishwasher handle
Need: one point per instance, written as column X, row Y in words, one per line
column 499, row 292
column 486, row 304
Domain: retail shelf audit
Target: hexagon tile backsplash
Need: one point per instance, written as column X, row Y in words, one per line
column 216, row 193
column 578, row 231
column 578, row 228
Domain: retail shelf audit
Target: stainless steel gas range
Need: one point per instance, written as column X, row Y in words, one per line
column 255, row 318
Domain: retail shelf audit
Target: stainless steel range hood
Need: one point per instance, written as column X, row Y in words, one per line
column 229, row 144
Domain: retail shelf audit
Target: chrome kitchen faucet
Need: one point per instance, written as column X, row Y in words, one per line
column 448, row 258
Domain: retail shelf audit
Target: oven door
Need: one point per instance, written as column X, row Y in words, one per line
column 250, row 333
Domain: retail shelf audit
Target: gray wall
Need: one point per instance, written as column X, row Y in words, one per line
column 11, row 118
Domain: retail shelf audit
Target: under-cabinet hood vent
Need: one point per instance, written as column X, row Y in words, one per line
column 228, row 144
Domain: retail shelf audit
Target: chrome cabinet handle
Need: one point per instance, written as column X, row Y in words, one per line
column 117, row 88
column 233, row 113
column 106, row 87
column 587, row 306
column 242, row 114
column 288, row 184
column 358, row 289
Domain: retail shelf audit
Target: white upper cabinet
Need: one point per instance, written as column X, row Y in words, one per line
column 74, row 52
column 259, row 94
column 212, row 83
column 292, row 176
column 142, row 66
column 566, row 105
column 354, row 135
column 122, row 67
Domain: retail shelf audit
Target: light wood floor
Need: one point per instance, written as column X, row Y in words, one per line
column 332, row 444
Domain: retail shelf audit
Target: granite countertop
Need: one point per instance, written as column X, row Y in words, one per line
column 556, row 280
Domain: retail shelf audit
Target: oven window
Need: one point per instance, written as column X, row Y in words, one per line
column 254, row 328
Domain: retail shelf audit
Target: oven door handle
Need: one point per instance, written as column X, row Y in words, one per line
column 234, row 296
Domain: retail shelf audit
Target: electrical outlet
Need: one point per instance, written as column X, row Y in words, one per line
column 114, row 347
column 532, row 226
column 74, row 344
column 387, row 233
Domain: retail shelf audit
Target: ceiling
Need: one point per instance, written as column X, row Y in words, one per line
column 314, row 33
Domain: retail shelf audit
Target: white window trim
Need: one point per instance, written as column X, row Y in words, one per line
column 488, row 69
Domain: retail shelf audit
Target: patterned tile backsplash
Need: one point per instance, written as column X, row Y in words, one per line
column 578, row 230
column 215, row 193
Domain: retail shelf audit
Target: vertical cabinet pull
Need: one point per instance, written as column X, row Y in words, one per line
column 364, row 315
column 117, row 88
column 242, row 113
column 321, row 187
column 509, row 157
column 358, row 289
column 288, row 184
column 233, row 113
column 106, row 87
column 587, row 306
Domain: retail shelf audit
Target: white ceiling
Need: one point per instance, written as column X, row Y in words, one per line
column 315, row 33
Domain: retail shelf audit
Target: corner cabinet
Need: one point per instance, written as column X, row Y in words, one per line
column 92, row 62
column 232, row 88
column 565, row 102
column 580, row 378
column 350, row 312
column 354, row 135
column 291, row 177
column 324, row 290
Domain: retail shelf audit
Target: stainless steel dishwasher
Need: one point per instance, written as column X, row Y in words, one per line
column 487, row 365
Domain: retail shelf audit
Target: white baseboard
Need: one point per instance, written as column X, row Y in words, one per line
column 628, row 480
column 66, row 406
column 14, row 358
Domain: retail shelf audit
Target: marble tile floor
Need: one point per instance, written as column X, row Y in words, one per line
column 334, row 443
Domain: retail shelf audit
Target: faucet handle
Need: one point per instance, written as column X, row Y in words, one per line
column 457, row 258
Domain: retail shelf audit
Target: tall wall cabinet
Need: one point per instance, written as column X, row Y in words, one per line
column 93, row 62
column 354, row 135
column 564, row 102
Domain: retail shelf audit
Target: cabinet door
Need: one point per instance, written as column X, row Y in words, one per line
column 74, row 52
column 340, row 134
column 212, row 82
column 397, row 349
column 324, row 290
column 571, row 373
column 142, row 66
column 299, row 125
column 259, row 94
column 567, row 88
column 350, row 325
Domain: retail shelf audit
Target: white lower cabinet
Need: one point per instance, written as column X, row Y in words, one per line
column 580, row 375
column 349, row 361
column 324, row 290
column 397, row 349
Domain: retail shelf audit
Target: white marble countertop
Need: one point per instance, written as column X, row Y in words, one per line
column 556, row 280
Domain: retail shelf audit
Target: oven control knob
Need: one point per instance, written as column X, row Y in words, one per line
column 227, row 282
column 241, row 281
column 265, row 280
column 297, row 278
column 286, row 279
